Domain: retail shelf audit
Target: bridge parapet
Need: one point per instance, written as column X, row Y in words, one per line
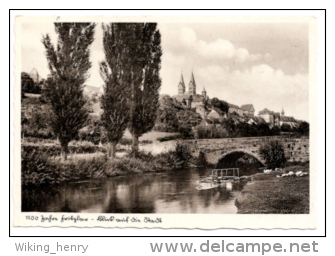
column 296, row 149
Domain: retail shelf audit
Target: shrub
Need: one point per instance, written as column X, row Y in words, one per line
column 28, row 85
column 286, row 128
column 170, row 137
column 201, row 160
column 39, row 140
column 56, row 149
column 37, row 170
column 222, row 105
column 186, row 131
column 273, row 153
column 85, row 169
column 125, row 165
column 181, row 155
column 36, row 119
column 303, row 128
column 93, row 132
column 210, row 132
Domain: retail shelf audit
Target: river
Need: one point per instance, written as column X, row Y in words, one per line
column 171, row 192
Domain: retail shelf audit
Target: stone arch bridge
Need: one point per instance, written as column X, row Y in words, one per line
column 296, row 149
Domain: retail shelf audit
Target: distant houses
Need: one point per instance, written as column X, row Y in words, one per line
column 201, row 103
column 276, row 119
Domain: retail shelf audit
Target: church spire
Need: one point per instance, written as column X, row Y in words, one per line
column 282, row 112
column 204, row 93
column 192, row 85
column 181, row 85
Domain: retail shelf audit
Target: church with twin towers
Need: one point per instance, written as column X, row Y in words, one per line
column 190, row 98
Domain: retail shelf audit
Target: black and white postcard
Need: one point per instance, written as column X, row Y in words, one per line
column 157, row 122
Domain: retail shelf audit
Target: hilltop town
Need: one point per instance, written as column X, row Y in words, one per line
column 210, row 111
column 212, row 114
column 189, row 111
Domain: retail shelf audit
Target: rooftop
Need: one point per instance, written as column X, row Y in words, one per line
column 247, row 107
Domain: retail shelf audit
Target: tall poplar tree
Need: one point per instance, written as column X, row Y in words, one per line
column 145, row 81
column 69, row 64
column 115, row 73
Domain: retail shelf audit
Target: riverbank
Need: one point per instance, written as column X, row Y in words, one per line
column 40, row 167
column 266, row 193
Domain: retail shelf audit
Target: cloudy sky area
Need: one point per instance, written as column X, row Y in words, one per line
column 265, row 64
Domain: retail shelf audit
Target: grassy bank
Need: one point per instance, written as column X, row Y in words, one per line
column 265, row 193
column 40, row 168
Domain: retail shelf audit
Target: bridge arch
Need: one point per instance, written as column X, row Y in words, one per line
column 241, row 159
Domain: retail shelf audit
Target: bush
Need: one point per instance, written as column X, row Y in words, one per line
column 56, row 149
column 201, row 160
column 93, row 132
column 273, row 153
column 181, row 155
column 167, row 120
column 303, row 128
column 210, row 132
column 37, row 170
column 39, row 140
column 170, row 137
column 222, row 105
column 286, row 128
column 126, row 165
column 28, row 85
column 36, row 119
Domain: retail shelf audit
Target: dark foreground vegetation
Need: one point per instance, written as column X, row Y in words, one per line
column 39, row 168
column 265, row 193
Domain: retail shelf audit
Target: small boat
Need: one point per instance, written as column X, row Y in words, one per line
column 206, row 186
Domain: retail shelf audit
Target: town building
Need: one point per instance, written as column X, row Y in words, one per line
column 202, row 110
column 255, row 120
column 267, row 115
column 277, row 119
column 216, row 115
column 234, row 108
column 248, row 109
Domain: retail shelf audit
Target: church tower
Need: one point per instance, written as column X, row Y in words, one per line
column 282, row 112
column 181, row 85
column 192, row 89
column 204, row 93
column 34, row 75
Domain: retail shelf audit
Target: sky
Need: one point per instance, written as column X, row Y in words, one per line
column 264, row 64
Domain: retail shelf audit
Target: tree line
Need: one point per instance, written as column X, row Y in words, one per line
column 130, row 73
column 28, row 85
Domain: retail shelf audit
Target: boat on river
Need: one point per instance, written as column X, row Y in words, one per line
column 219, row 178
column 206, row 186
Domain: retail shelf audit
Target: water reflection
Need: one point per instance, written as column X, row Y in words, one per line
column 173, row 192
